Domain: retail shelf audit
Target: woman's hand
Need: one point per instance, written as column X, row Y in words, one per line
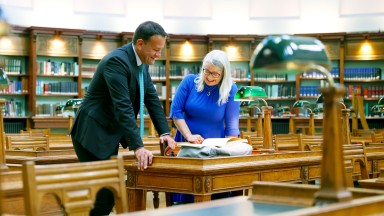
column 195, row 138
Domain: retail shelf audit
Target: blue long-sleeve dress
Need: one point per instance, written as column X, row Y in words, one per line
column 204, row 116
column 202, row 113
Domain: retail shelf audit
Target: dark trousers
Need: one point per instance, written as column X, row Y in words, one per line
column 104, row 199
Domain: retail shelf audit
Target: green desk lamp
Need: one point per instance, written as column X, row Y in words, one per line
column 72, row 105
column 285, row 54
column 378, row 108
column 303, row 104
column 252, row 93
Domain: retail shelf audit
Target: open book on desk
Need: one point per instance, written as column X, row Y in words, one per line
column 217, row 142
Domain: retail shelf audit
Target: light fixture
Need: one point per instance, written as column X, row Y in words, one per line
column 295, row 54
column 71, row 106
column 303, row 104
column 366, row 48
column 257, row 93
column 381, row 101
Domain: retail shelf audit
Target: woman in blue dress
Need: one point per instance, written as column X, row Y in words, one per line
column 204, row 106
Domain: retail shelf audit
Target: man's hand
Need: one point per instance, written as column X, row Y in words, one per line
column 171, row 144
column 144, row 158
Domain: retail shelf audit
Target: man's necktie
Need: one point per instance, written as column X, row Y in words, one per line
column 141, row 82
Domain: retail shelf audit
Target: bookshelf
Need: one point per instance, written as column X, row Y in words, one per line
column 31, row 48
column 185, row 54
column 14, row 59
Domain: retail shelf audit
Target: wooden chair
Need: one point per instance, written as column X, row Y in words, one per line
column 287, row 142
column 255, row 141
column 27, row 142
column 310, row 142
column 356, row 159
column 36, row 132
column 75, row 185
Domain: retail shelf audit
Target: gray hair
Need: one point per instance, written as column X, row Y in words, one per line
column 219, row 59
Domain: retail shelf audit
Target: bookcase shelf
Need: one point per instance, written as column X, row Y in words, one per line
column 33, row 46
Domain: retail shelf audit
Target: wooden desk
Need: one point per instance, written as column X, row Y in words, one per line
column 204, row 177
column 365, row 202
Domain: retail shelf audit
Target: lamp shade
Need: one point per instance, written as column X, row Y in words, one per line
column 377, row 109
column 288, row 54
column 381, row 101
column 301, row 104
column 250, row 104
column 71, row 106
column 250, row 93
column 3, row 79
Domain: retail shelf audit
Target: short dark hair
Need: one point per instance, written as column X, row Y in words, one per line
column 146, row 30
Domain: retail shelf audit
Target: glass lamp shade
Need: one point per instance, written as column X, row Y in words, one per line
column 4, row 83
column 377, row 109
column 381, row 101
column 250, row 93
column 320, row 99
column 250, row 104
column 72, row 106
column 301, row 104
column 288, row 54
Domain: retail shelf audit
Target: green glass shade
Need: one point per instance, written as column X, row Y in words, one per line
column 377, row 109
column 73, row 104
column 3, row 79
column 250, row 104
column 250, row 93
column 301, row 104
column 320, row 99
column 288, row 54
column 381, row 101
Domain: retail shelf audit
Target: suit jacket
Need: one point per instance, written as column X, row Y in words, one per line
column 109, row 110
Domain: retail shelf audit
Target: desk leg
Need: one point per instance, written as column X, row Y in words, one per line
column 137, row 199
column 202, row 198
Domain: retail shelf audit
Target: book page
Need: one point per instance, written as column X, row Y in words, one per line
column 218, row 142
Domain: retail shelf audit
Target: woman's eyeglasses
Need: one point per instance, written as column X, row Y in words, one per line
column 214, row 74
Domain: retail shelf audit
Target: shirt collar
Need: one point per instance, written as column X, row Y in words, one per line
column 138, row 61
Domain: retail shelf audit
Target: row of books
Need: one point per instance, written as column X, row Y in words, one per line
column 180, row 72
column 241, row 74
column 12, row 66
column 270, row 77
column 161, row 90
column 57, row 68
column 309, row 91
column 157, row 72
column 56, row 88
column 13, row 108
column 370, row 73
column 46, row 109
column 16, row 87
column 335, row 73
column 367, row 92
column 88, row 69
column 279, row 91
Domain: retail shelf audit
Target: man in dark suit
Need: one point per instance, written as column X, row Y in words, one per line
column 107, row 115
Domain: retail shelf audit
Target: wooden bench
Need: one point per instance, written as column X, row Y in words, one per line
column 287, row 142
column 356, row 159
column 74, row 185
column 27, row 142
column 367, row 136
column 310, row 142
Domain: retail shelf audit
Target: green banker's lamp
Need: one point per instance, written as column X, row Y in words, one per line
column 378, row 109
column 303, row 104
column 257, row 93
column 286, row 54
column 248, row 105
column 70, row 110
